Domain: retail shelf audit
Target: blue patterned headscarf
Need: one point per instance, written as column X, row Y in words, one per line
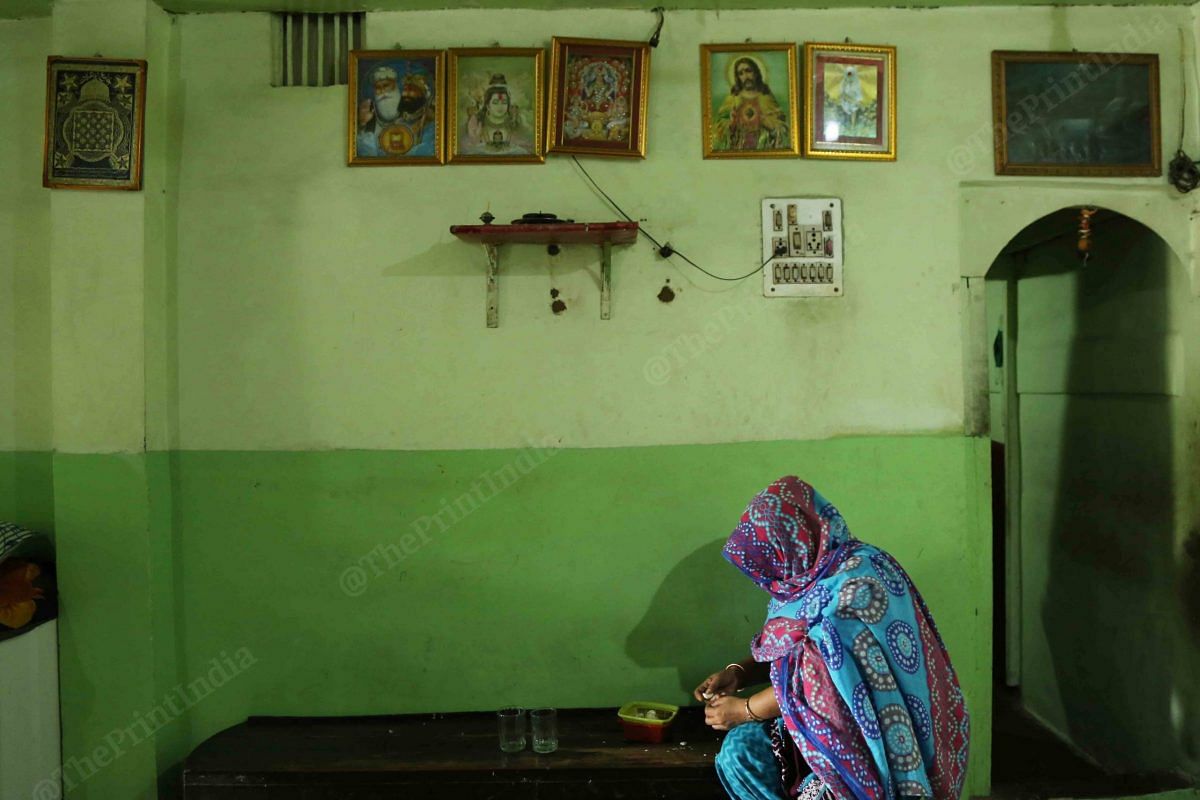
column 860, row 672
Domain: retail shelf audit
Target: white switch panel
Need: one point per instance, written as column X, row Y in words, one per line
column 802, row 247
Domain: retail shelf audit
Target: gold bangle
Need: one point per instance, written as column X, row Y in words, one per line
column 750, row 711
column 736, row 666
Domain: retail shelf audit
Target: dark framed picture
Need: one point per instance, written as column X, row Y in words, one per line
column 95, row 118
column 496, row 112
column 748, row 97
column 850, row 101
column 396, row 109
column 598, row 95
column 1082, row 114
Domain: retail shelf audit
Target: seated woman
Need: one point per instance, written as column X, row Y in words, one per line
column 863, row 702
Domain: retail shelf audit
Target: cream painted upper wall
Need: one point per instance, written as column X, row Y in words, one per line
column 13, row 9
column 324, row 306
column 25, row 421
column 99, row 254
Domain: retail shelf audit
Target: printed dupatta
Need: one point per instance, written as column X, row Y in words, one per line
column 861, row 674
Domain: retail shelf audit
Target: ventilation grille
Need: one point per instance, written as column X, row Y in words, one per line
column 313, row 49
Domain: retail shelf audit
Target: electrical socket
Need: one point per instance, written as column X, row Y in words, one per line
column 802, row 246
column 813, row 240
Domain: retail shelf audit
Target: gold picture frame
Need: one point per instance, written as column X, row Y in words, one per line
column 741, row 116
column 411, row 130
column 95, row 123
column 479, row 81
column 599, row 93
column 1078, row 114
column 850, row 101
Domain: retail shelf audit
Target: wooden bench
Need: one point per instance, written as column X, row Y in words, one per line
column 449, row 756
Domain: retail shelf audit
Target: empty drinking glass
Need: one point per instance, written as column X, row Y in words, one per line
column 512, row 729
column 544, row 725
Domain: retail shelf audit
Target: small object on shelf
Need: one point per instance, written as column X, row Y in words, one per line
column 646, row 722
column 487, row 217
column 541, row 218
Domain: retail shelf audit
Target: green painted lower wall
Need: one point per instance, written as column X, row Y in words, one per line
column 106, row 642
column 27, row 489
column 373, row 582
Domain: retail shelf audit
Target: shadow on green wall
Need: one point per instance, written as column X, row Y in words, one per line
column 1189, row 585
column 701, row 617
column 1107, row 613
column 1189, row 596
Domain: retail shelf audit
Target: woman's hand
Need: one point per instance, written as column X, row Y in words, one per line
column 724, row 713
column 718, row 684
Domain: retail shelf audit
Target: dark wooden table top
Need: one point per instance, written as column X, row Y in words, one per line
column 459, row 746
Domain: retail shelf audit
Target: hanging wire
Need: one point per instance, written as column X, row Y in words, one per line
column 662, row 17
column 1182, row 172
column 665, row 250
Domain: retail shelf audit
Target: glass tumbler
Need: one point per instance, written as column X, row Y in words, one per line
column 512, row 729
column 544, row 725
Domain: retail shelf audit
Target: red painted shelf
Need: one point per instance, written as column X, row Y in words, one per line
column 560, row 233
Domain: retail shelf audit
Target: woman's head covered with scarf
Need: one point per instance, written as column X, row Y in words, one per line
column 862, row 677
column 784, row 540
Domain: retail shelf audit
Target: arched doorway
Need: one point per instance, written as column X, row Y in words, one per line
column 1088, row 406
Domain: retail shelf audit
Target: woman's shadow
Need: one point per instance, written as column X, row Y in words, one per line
column 701, row 618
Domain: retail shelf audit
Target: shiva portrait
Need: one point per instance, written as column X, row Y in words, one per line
column 496, row 104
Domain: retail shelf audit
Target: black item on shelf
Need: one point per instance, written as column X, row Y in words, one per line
column 540, row 218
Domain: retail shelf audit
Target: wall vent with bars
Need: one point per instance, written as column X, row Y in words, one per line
column 313, row 49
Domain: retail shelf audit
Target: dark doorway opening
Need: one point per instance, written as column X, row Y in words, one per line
column 1085, row 379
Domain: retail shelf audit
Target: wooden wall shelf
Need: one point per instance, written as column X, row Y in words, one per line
column 604, row 234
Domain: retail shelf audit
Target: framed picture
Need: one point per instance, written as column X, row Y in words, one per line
column 396, row 110
column 850, row 101
column 95, row 117
column 496, row 114
column 598, row 95
column 748, row 97
column 1085, row 114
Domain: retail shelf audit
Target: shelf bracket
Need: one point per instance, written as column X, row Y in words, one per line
column 493, row 285
column 605, row 280
column 605, row 234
